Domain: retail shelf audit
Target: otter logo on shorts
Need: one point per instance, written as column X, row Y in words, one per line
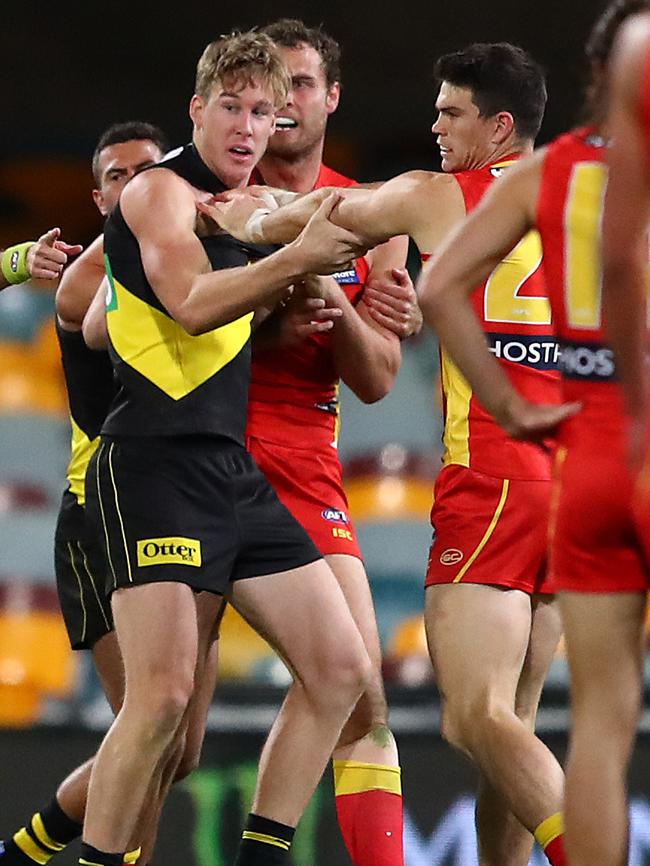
column 169, row 551
column 450, row 556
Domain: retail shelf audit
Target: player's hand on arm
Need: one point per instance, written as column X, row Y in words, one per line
column 305, row 314
column 94, row 328
column 367, row 355
column 392, row 302
column 251, row 220
column 79, row 284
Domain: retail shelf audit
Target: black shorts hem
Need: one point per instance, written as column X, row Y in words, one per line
column 278, row 568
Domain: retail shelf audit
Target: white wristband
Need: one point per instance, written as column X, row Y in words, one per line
column 253, row 228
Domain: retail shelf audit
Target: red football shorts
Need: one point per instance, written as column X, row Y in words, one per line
column 600, row 538
column 309, row 483
column 489, row 530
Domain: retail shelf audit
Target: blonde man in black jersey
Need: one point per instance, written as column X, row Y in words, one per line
column 179, row 502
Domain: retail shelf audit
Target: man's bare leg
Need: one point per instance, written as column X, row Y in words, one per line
column 502, row 839
column 304, row 616
column 604, row 647
column 478, row 639
column 366, row 761
column 185, row 751
column 156, row 625
column 72, row 792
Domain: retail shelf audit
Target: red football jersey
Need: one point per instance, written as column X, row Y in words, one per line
column 515, row 314
column 569, row 213
column 294, row 389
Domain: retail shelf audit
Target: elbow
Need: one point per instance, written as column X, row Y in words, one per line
column 375, row 390
column 68, row 308
column 191, row 322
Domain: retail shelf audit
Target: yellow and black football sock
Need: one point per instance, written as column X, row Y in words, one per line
column 264, row 843
column 89, row 856
column 46, row 834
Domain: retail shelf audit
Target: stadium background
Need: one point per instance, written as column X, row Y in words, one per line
column 68, row 73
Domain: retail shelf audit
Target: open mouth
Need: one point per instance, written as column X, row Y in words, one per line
column 241, row 151
column 284, row 123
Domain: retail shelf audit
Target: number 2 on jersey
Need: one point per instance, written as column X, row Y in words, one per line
column 502, row 299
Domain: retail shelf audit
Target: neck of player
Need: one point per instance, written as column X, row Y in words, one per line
column 299, row 174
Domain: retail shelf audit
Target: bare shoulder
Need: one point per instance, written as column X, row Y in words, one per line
column 157, row 185
column 418, row 191
column 163, row 193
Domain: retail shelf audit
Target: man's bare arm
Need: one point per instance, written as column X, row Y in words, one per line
column 625, row 222
column 94, row 328
column 79, row 284
column 423, row 205
column 178, row 269
column 486, row 237
column 367, row 355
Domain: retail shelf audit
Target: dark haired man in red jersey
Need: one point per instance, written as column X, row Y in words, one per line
column 293, row 421
column 492, row 628
column 598, row 566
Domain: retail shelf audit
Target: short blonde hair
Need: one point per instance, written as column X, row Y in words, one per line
column 242, row 58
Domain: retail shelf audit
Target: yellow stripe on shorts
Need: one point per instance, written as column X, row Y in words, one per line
column 488, row 532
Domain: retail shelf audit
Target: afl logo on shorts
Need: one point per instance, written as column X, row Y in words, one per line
column 450, row 556
column 335, row 516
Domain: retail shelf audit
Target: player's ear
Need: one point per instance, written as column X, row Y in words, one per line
column 98, row 198
column 196, row 111
column 504, row 125
column 333, row 96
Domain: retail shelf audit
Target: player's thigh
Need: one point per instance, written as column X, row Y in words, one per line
column 156, row 626
column 545, row 633
column 353, row 580
column 478, row 638
column 110, row 669
column 304, row 616
column 603, row 633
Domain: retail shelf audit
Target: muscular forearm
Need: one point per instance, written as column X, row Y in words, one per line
column 367, row 359
column 285, row 224
column 220, row 297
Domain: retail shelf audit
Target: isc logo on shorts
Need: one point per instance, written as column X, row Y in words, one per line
column 169, row 551
column 450, row 556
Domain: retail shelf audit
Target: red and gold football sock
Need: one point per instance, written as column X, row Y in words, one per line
column 550, row 837
column 369, row 809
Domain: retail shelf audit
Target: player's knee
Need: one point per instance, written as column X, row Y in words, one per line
column 468, row 723
column 167, row 703
column 343, row 680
